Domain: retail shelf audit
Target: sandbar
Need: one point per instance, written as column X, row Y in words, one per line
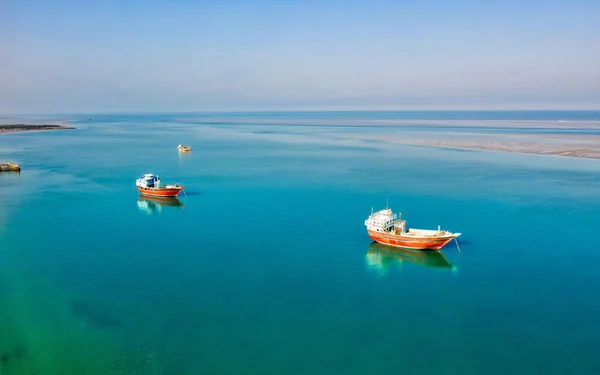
column 16, row 128
column 566, row 145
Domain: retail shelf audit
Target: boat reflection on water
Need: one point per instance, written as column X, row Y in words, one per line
column 382, row 257
column 183, row 154
column 152, row 205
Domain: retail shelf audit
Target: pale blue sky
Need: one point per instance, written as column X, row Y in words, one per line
column 180, row 55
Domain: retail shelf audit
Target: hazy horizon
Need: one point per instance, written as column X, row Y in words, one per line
column 8, row 115
column 158, row 56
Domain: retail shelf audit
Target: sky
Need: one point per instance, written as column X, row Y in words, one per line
column 67, row 56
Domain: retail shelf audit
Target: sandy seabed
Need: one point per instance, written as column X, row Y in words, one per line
column 559, row 138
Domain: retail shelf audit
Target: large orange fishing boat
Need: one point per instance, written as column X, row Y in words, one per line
column 385, row 227
column 151, row 185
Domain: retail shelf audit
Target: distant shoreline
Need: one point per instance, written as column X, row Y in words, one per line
column 18, row 128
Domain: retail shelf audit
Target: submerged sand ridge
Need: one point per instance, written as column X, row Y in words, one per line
column 557, row 138
column 563, row 138
column 579, row 150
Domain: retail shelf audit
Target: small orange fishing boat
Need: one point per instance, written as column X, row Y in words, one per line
column 10, row 167
column 183, row 148
column 151, row 185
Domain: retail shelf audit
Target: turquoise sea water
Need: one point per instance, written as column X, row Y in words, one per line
column 265, row 267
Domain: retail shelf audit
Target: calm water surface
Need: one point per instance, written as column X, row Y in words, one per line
column 264, row 267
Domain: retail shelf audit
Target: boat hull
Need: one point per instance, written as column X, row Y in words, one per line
column 411, row 242
column 161, row 192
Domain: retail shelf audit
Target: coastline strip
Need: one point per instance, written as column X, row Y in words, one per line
column 17, row 128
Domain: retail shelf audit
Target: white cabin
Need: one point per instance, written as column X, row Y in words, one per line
column 385, row 221
column 148, row 181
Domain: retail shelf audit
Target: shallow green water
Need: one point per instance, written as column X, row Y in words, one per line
column 266, row 268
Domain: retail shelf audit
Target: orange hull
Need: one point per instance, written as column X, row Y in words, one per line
column 411, row 242
column 161, row 192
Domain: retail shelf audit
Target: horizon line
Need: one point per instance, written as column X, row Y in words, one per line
column 292, row 110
